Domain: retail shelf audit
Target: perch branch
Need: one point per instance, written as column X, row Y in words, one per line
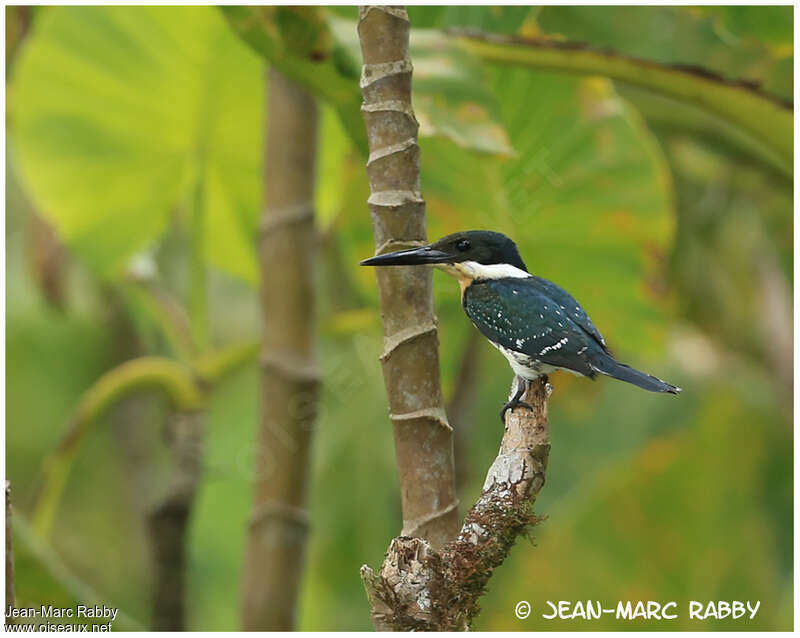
column 423, row 437
column 420, row 588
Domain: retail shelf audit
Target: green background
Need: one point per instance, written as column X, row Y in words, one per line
column 136, row 133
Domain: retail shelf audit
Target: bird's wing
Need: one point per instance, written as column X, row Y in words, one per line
column 516, row 314
column 568, row 304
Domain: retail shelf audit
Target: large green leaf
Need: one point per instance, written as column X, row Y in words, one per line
column 587, row 197
column 337, row 166
column 298, row 42
column 759, row 28
column 771, row 25
column 450, row 97
column 768, row 119
column 494, row 18
column 672, row 35
column 122, row 115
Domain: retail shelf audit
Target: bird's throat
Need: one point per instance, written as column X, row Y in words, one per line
column 467, row 272
column 459, row 272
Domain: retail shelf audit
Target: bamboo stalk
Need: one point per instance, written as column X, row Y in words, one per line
column 290, row 380
column 423, row 437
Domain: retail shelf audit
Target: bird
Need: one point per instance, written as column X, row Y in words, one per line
column 537, row 325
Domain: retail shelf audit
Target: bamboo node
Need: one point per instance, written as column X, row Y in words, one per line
column 274, row 218
column 273, row 510
column 398, row 106
column 391, row 149
column 436, row 414
column 392, row 342
column 291, row 366
column 395, row 199
column 398, row 244
column 371, row 73
column 410, row 527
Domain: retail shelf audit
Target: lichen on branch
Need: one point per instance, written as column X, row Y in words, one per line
column 419, row 588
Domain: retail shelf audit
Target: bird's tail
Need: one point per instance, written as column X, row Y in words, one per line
column 606, row 365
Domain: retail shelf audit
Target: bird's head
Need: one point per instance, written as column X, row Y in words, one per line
column 474, row 254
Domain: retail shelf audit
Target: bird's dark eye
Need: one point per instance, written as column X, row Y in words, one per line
column 464, row 245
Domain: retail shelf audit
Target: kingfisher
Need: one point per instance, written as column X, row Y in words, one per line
column 537, row 325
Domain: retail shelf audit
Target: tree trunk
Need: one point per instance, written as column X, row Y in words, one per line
column 279, row 523
column 423, row 437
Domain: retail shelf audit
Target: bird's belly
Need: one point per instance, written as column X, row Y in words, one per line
column 528, row 367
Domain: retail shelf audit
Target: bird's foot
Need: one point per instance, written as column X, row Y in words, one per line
column 514, row 401
column 510, row 406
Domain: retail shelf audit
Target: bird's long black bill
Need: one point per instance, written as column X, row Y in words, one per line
column 410, row 257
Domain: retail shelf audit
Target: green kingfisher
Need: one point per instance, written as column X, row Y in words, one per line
column 536, row 324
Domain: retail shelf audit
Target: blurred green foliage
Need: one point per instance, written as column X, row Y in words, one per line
column 144, row 105
column 651, row 32
column 655, row 215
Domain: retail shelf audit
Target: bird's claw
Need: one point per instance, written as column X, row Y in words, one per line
column 510, row 406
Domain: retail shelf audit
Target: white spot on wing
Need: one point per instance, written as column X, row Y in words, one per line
column 555, row 346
